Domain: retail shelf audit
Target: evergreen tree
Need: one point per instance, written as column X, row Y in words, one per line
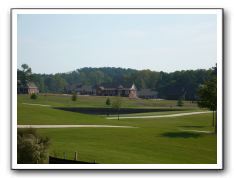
column 108, row 102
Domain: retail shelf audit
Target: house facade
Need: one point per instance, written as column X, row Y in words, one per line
column 29, row 88
column 101, row 90
column 147, row 94
column 118, row 91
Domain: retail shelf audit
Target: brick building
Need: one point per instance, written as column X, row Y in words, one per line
column 118, row 91
column 29, row 88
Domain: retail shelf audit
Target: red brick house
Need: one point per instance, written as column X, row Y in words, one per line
column 29, row 88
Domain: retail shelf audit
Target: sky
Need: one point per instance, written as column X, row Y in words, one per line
column 51, row 43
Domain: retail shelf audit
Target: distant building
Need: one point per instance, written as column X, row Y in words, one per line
column 29, row 88
column 81, row 89
column 85, row 90
column 147, row 94
column 107, row 90
column 117, row 91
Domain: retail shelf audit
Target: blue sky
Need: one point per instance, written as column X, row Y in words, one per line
column 62, row 43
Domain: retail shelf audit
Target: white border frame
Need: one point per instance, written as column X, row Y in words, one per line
column 217, row 11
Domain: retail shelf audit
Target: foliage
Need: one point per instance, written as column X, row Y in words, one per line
column 108, row 102
column 117, row 102
column 31, row 147
column 74, row 96
column 208, row 92
column 169, row 85
column 208, row 95
column 25, row 74
column 181, row 83
column 180, row 102
column 33, row 96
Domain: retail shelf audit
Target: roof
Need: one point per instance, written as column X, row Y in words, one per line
column 31, row 85
column 147, row 92
column 133, row 87
column 85, row 88
column 80, row 87
column 120, row 87
column 107, row 86
column 117, row 85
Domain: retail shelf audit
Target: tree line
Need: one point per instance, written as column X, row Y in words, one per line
column 179, row 84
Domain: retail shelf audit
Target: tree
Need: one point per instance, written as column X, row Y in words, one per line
column 25, row 74
column 108, row 102
column 116, row 104
column 31, row 147
column 208, row 95
column 169, row 85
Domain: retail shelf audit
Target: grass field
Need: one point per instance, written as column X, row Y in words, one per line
column 99, row 101
column 154, row 140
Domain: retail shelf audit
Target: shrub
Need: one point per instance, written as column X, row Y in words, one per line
column 108, row 102
column 31, row 147
column 74, row 96
column 180, row 103
column 33, row 96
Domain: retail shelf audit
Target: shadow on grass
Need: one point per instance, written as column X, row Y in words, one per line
column 181, row 135
column 111, row 111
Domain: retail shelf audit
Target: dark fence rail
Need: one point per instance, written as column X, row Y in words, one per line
column 53, row 160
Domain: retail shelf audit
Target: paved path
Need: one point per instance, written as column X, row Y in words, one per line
column 72, row 126
column 36, row 104
column 160, row 116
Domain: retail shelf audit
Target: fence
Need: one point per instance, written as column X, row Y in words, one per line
column 53, row 160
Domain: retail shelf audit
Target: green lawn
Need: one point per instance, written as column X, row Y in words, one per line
column 161, row 140
column 99, row 101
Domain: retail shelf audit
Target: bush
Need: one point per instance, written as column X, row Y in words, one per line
column 33, row 96
column 74, row 97
column 180, row 103
column 108, row 102
column 31, row 147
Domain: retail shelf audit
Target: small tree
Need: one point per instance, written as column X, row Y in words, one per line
column 208, row 95
column 180, row 102
column 31, row 147
column 108, row 102
column 33, row 96
column 116, row 104
column 74, row 96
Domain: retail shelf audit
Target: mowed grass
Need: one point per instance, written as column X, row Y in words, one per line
column 99, row 101
column 154, row 141
column 157, row 141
